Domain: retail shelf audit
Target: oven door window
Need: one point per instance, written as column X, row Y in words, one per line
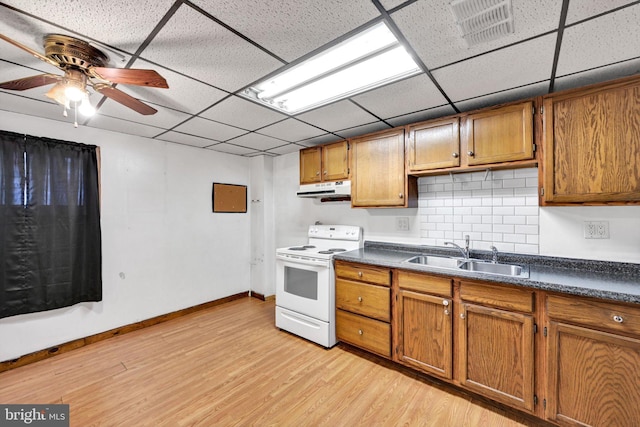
column 302, row 283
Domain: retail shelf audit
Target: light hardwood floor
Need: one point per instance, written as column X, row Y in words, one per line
column 229, row 365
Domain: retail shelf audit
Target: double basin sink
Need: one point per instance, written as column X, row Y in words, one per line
column 470, row 264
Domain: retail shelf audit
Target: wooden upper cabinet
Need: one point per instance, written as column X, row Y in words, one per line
column 378, row 174
column 310, row 165
column 335, row 161
column 592, row 144
column 433, row 145
column 499, row 135
column 324, row 163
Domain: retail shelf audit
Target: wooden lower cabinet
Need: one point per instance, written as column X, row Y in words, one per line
column 424, row 331
column 593, row 375
column 363, row 332
column 497, row 354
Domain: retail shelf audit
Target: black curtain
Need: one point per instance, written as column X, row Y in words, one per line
column 50, row 248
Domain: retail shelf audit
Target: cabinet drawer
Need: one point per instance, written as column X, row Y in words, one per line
column 498, row 296
column 424, row 283
column 362, row 298
column 369, row 334
column 364, row 273
column 598, row 314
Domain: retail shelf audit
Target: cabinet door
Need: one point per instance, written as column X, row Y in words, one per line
column 335, row 161
column 500, row 135
column 593, row 377
column 497, row 358
column 378, row 176
column 434, row 145
column 310, row 164
column 592, row 145
column 424, row 332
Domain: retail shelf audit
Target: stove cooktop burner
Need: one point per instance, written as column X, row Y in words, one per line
column 325, row 252
column 298, row 248
column 336, row 250
column 308, row 246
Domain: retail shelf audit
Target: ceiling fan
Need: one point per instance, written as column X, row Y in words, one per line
column 83, row 65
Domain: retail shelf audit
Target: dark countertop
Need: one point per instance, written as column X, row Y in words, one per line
column 600, row 279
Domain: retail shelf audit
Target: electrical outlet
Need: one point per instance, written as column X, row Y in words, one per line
column 402, row 223
column 596, row 229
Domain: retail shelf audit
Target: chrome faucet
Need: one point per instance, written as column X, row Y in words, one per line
column 465, row 251
column 494, row 254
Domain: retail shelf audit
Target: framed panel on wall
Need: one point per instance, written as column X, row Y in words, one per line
column 229, row 198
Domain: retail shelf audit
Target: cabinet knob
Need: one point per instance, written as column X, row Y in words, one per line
column 401, row 195
column 618, row 319
column 360, row 299
column 325, row 172
column 317, row 173
column 446, row 312
column 455, row 154
column 470, row 153
column 462, row 315
column 445, row 302
column 360, row 331
column 359, row 273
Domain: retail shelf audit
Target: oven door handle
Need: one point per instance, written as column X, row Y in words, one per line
column 301, row 261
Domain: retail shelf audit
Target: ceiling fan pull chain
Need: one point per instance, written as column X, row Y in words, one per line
column 75, row 114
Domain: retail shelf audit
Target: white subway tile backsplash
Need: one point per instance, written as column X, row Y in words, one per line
column 494, row 208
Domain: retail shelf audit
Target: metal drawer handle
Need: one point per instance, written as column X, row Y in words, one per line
column 360, row 331
column 359, row 273
column 455, row 155
column 618, row 319
column 360, row 299
column 470, row 153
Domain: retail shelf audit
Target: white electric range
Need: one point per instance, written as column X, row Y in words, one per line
column 305, row 282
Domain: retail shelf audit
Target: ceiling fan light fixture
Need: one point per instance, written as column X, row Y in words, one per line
column 75, row 85
column 85, row 108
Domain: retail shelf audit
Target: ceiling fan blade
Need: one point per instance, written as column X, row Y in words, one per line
column 124, row 99
column 31, row 82
column 130, row 76
column 31, row 51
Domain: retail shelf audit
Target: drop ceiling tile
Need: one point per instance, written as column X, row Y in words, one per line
column 317, row 140
column 601, row 74
column 600, row 41
column 291, row 28
column 404, row 97
column 582, row 9
column 194, row 45
column 122, row 24
column 430, row 28
column 184, row 94
column 518, row 65
column 11, row 101
column 209, row 129
column 257, row 141
column 165, row 118
column 341, row 115
column 291, row 130
column 236, row 111
column 232, row 149
column 390, row 4
column 516, row 94
column 122, row 126
column 362, row 130
column 183, row 138
column 421, row 116
column 285, row 149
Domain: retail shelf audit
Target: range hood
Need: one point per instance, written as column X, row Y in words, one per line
column 326, row 189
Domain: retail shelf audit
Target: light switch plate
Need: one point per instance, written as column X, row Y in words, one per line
column 596, row 229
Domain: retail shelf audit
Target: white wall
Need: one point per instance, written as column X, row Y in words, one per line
column 560, row 228
column 163, row 249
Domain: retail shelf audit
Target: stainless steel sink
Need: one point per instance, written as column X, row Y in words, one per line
column 475, row 265
column 436, row 261
column 495, row 268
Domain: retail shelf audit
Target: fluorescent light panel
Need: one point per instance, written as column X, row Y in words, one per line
column 368, row 60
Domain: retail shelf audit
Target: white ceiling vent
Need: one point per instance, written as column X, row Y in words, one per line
column 483, row 20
